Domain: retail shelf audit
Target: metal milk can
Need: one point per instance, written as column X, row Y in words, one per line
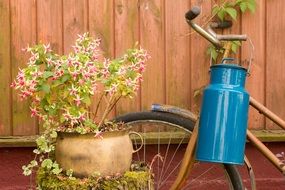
column 223, row 116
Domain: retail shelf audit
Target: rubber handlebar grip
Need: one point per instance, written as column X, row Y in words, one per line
column 193, row 13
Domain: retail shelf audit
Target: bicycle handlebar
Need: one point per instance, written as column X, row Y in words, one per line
column 210, row 35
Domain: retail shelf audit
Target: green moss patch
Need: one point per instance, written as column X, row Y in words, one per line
column 139, row 179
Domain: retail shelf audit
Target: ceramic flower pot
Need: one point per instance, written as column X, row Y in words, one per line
column 85, row 154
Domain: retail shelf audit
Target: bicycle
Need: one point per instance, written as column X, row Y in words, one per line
column 159, row 125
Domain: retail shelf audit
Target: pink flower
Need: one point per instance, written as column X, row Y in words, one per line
column 13, row 84
column 99, row 135
column 73, row 90
column 78, row 100
column 34, row 112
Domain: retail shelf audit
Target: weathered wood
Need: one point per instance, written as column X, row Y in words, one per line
column 49, row 26
column 254, row 26
column 23, row 32
column 152, row 23
column 177, row 54
column 199, row 60
column 275, row 67
column 75, row 21
column 179, row 65
column 18, row 141
column 150, row 138
column 5, row 70
column 101, row 24
column 126, row 35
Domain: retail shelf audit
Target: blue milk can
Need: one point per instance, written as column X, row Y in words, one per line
column 223, row 116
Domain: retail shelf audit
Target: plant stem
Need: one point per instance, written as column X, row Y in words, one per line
column 112, row 105
column 98, row 104
column 107, row 110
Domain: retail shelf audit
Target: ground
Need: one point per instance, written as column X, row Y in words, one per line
column 12, row 159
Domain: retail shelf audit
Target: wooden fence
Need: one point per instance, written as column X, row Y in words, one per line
column 178, row 67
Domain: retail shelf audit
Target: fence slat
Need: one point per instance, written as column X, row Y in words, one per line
column 75, row 21
column 126, row 35
column 275, row 67
column 178, row 68
column 254, row 26
column 199, row 60
column 152, row 25
column 101, row 24
column 23, row 32
column 5, row 70
column 177, row 54
column 49, row 26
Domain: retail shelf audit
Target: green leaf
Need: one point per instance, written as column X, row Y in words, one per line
column 53, row 134
column 47, row 74
column 251, row 5
column 235, row 46
column 45, row 88
column 232, row 12
column 47, row 163
column 87, row 100
column 243, row 6
column 65, row 78
column 212, row 52
column 215, row 10
column 221, row 14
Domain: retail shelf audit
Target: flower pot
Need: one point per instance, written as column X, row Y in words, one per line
column 86, row 155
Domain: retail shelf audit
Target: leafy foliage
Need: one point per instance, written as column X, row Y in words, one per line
column 134, row 179
column 61, row 89
column 229, row 9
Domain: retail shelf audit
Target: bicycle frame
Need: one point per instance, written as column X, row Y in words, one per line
column 189, row 158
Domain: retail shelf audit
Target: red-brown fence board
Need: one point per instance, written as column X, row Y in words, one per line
column 23, row 32
column 275, row 67
column 5, row 70
column 179, row 64
column 126, row 35
column 101, row 24
column 199, row 61
column 177, row 54
column 75, row 21
column 254, row 26
column 152, row 23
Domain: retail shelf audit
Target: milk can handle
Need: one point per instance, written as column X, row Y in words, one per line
column 141, row 138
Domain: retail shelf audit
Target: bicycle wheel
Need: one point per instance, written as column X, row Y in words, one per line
column 165, row 138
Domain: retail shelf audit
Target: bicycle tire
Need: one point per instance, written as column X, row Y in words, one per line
column 177, row 123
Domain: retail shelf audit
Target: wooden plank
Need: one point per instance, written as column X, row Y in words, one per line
column 49, row 23
column 275, row 68
column 101, row 24
column 200, row 62
column 152, row 26
column 177, row 54
column 254, row 26
column 75, row 21
column 126, row 35
column 5, row 70
column 150, row 138
column 18, row 141
column 23, row 32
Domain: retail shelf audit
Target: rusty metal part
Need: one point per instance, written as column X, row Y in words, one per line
column 187, row 162
column 251, row 173
column 266, row 152
column 263, row 110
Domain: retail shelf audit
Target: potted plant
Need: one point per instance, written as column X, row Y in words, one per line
column 61, row 89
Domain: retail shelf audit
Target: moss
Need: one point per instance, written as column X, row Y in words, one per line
column 131, row 180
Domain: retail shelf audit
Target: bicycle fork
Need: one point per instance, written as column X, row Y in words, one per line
column 188, row 160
